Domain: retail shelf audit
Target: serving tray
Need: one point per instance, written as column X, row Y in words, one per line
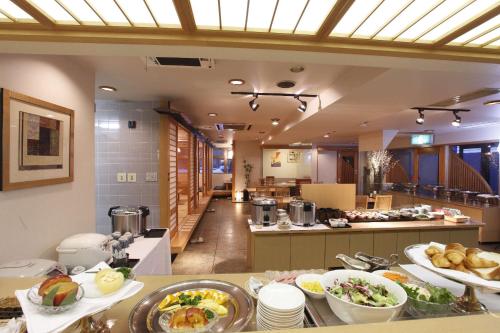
column 144, row 317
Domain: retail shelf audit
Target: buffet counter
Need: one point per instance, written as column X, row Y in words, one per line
column 489, row 215
column 270, row 248
column 120, row 312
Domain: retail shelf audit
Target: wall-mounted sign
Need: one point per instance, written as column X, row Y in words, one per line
column 294, row 156
column 422, row 139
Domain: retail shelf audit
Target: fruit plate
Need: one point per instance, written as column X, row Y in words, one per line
column 145, row 316
column 36, row 300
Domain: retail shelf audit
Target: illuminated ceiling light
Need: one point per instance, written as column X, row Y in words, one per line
column 206, row 14
column 326, row 136
column 420, row 119
column 457, row 121
column 137, row 12
column 236, row 82
column 107, row 88
column 314, row 15
column 486, row 38
column 109, row 12
column 212, row 114
column 269, row 138
column 54, row 11
column 363, row 124
column 493, row 102
column 287, row 15
column 303, row 104
column 436, row 16
column 275, row 121
column 260, row 14
column 233, row 14
column 477, row 31
column 358, row 12
column 83, row 13
column 465, row 15
column 382, row 15
column 408, row 16
column 253, row 103
column 13, row 11
column 164, row 13
column 494, row 44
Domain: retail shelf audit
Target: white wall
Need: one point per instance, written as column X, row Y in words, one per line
column 327, row 166
column 252, row 152
column 287, row 170
column 218, row 179
column 34, row 221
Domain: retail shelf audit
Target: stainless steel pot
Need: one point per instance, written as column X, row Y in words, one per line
column 129, row 219
column 264, row 211
column 302, row 213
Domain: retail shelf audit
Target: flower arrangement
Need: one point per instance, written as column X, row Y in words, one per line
column 381, row 161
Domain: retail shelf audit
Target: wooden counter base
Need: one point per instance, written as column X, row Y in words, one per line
column 308, row 249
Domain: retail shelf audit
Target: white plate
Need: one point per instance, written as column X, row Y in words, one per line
column 262, row 322
column 280, row 313
column 282, row 297
column 91, row 290
column 309, row 277
column 280, row 319
column 381, row 272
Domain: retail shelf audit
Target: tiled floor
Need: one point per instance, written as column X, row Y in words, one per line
column 225, row 241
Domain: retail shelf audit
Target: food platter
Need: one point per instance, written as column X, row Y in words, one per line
column 144, row 317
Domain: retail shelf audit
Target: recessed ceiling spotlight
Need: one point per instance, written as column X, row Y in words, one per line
column 493, row 102
column 275, row 121
column 457, row 121
column 269, row 138
column 262, row 132
column 456, row 98
column 364, row 124
column 420, row 119
column 303, row 104
column 297, row 69
column 327, row 135
column 236, row 82
column 212, row 114
column 107, row 88
column 286, row 84
column 253, row 103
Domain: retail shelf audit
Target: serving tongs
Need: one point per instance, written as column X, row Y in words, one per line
column 366, row 262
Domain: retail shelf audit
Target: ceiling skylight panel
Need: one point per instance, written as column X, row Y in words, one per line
column 486, row 38
column 137, row 12
column 438, row 15
column 358, row 12
column 314, row 15
column 9, row 8
column 260, row 14
column 4, row 18
column 408, row 16
column 83, row 13
column 164, row 13
column 477, row 31
column 287, row 15
column 459, row 19
column 54, row 11
column 233, row 14
column 109, row 11
column 206, row 14
column 495, row 44
column 384, row 13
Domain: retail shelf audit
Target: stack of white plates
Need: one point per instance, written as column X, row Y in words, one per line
column 280, row 306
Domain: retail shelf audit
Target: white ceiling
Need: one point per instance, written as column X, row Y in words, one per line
column 350, row 94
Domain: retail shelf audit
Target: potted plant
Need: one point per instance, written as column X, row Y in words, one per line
column 380, row 162
column 248, row 170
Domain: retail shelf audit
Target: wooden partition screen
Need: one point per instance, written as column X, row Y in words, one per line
column 341, row 196
column 173, row 174
column 397, row 174
column 463, row 176
column 191, row 173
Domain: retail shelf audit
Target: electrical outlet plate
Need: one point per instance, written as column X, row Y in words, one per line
column 121, row 177
column 131, row 177
column 151, row 176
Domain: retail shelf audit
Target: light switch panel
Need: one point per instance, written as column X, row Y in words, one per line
column 151, row 176
column 131, row 177
column 121, row 177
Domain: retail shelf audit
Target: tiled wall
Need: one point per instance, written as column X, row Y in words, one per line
column 120, row 149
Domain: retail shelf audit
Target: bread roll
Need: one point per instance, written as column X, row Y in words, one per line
column 432, row 250
column 439, row 260
column 474, row 261
column 455, row 256
column 460, row 267
column 455, row 246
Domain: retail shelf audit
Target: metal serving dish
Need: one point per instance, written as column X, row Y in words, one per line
column 144, row 316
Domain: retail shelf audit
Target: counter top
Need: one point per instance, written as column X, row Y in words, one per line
column 479, row 323
column 370, row 226
column 442, row 201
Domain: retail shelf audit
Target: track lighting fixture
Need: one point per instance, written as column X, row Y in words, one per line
column 253, row 103
column 303, row 104
column 275, row 121
column 420, row 119
column 457, row 121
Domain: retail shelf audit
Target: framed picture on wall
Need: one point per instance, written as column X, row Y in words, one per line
column 37, row 142
column 276, row 159
column 294, row 156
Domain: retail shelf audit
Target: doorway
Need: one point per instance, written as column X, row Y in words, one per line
column 327, row 164
column 347, row 167
column 182, row 172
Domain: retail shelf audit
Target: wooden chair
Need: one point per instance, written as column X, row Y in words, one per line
column 263, row 191
column 361, row 202
column 383, row 202
column 269, row 180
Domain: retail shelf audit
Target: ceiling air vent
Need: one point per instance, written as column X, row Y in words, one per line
column 467, row 97
column 233, row 127
column 205, row 63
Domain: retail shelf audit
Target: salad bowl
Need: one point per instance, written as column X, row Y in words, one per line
column 351, row 313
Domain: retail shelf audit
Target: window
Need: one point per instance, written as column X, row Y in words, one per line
column 222, row 161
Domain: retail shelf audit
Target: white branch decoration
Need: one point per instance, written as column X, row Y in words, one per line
column 381, row 161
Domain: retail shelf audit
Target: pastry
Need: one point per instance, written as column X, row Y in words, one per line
column 460, row 267
column 432, row 250
column 439, row 260
column 455, row 256
column 474, row 261
column 455, row 246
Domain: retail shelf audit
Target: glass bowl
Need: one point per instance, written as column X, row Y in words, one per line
column 36, row 300
column 418, row 308
column 165, row 319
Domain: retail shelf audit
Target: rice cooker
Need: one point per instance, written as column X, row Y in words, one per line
column 31, row 268
column 264, row 211
column 302, row 213
column 85, row 250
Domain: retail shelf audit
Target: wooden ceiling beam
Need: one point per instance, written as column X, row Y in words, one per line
column 338, row 11
column 186, row 17
column 35, row 13
column 467, row 27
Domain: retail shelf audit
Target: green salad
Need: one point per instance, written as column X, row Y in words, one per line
column 361, row 292
column 428, row 293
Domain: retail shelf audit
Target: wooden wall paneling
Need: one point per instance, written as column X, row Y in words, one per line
column 404, row 239
column 442, row 165
column 271, row 252
column 384, row 244
column 361, row 242
column 172, row 137
column 191, row 174
column 335, row 244
column 167, row 215
column 307, row 251
column 439, row 236
column 468, row 238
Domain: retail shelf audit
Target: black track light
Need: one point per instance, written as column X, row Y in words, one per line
column 420, row 119
column 253, row 103
column 303, row 104
column 457, row 121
